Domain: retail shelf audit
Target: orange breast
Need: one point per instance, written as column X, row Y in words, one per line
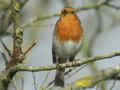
column 68, row 28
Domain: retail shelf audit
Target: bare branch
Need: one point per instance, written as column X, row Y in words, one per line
column 30, row 47
column 113, row 6
column 92, row 80
column 77, row 63
column 4, row 57
column 6, row 48
column 86, row 7
column 6, row 18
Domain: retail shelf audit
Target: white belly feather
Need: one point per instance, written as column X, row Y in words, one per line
column 67, row 49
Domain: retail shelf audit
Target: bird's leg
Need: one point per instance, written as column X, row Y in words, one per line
column 54, row 56
column 72, row 60
column 57, row 64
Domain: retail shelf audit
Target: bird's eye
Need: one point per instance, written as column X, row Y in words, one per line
column 65, row 12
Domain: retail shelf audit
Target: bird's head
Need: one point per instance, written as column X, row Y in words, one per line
column 67, row 11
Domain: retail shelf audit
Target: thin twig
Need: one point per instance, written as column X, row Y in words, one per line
column 113, row 6
column 15, row 83
column 6, row 48
column 30, row 47
column 69, row 76
column 4, row 57
column 113, row 85
column 17, row 35
column 22, row 82
column 45, row 79
column 34, row 81
column 37, row 19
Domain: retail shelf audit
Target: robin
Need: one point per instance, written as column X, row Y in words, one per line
column 67, row 41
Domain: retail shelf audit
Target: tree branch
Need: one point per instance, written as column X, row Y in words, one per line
column 6, row 18
column 4, row 57
column 86, row 7
column 106, row 73
column 17, row 34
column 77, row 63
column 90, row 81
column 113, row 6
column 6, row 48
column 30, row 47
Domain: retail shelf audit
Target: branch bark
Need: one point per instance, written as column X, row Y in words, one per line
column 77, row 63
column 90, row 81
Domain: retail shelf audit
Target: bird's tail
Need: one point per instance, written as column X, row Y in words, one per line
column 59, row 78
